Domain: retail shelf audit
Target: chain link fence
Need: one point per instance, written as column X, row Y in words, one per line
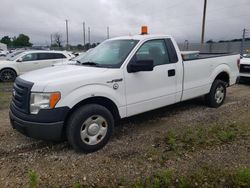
column 223, row 47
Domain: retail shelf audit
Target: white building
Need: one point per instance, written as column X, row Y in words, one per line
column 3, row 46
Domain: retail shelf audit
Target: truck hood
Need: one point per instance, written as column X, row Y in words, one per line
column 62, row 72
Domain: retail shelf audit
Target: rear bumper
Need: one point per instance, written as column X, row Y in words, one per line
column 40, row 126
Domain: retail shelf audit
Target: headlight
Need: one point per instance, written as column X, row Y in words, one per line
column 43, row 101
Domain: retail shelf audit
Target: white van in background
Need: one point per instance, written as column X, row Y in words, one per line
column 27, row 61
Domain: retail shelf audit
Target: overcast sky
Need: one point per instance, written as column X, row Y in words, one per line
column 179, row 18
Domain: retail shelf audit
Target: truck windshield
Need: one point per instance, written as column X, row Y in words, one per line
column 110, row 54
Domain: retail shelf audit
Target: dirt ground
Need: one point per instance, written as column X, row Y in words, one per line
column 136, row 149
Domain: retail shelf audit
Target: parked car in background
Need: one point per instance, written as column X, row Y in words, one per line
column 14, row 53
column 3, row 53
column 72, row 60
column 28, row 61
column 245, row 67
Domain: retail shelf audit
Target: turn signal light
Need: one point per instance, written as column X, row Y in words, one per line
column 54, row 98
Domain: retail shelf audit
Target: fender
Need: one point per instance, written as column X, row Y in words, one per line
column 10, row 67
column 219, row 69
column 96, row 90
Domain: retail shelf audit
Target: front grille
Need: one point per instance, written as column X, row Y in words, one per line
column 21, row 95
column 244, row 68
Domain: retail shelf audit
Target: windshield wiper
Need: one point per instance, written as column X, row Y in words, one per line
column 90, row 63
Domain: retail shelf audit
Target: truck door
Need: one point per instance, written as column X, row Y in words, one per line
column 153, row 89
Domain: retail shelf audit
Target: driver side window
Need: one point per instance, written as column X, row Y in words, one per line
column 29, row 57
column 153, row 50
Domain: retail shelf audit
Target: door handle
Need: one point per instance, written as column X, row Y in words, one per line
column 171, row 72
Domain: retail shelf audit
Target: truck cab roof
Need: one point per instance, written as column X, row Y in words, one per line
column 141, row 37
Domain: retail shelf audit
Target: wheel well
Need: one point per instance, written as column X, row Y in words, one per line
column 223, row 76
column 107, row 103
column 10, row 69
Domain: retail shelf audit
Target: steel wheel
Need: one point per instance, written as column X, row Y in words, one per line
column 219, row 94
column 93, row 130
column 90, row 127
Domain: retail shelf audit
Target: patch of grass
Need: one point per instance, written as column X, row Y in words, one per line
column 158, row 180
column 33, row 179
column 203, row 177
column 191, row 138
column 171, row 141
column 241, row 178
column 5, row 94
column 77, row 185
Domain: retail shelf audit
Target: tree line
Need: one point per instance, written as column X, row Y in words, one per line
column 21, row 40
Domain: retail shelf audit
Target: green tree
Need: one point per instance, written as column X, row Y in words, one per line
column 6, row 40
column 21, row 41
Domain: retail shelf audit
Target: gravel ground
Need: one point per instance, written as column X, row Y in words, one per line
column 130, row 153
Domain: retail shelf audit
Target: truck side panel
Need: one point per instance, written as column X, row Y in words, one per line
column 200, row 74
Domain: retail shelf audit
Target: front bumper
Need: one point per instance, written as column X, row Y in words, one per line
column 40, row 126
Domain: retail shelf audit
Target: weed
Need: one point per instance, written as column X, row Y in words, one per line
column 77, row 185
column 171, row 141
column 33, row 179
column 241, row 178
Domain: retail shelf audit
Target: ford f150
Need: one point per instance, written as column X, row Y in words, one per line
column 119, row 78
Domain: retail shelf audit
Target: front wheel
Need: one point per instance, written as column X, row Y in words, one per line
column 217, row 94
column 7, row 75
column 89, row 128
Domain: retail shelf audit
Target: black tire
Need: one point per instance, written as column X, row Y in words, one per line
column 7, row 75
column 212, row 99
column 78, row 123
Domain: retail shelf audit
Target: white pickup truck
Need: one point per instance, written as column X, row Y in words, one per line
column 121, row 77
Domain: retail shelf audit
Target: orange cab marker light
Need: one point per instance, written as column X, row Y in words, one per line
column 144, row 30
column 54, row 98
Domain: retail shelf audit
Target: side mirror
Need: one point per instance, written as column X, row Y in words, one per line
column 19, row 60
column 141, row 65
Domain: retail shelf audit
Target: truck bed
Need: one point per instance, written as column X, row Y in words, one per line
column 208, row 55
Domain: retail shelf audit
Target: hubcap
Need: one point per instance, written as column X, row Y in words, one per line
column 219, row 94
column 93, row 130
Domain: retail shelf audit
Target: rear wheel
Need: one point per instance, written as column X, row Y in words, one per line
column 89, row 128
column 217, row 94
column 7, row 75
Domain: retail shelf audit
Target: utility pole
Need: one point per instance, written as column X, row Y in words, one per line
column 89, row 35
column 83, row 30
column 204, row 22
column 108, row 32
column 51, row 39
column 187, row 44
column 242, row 48
column 67, row 33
